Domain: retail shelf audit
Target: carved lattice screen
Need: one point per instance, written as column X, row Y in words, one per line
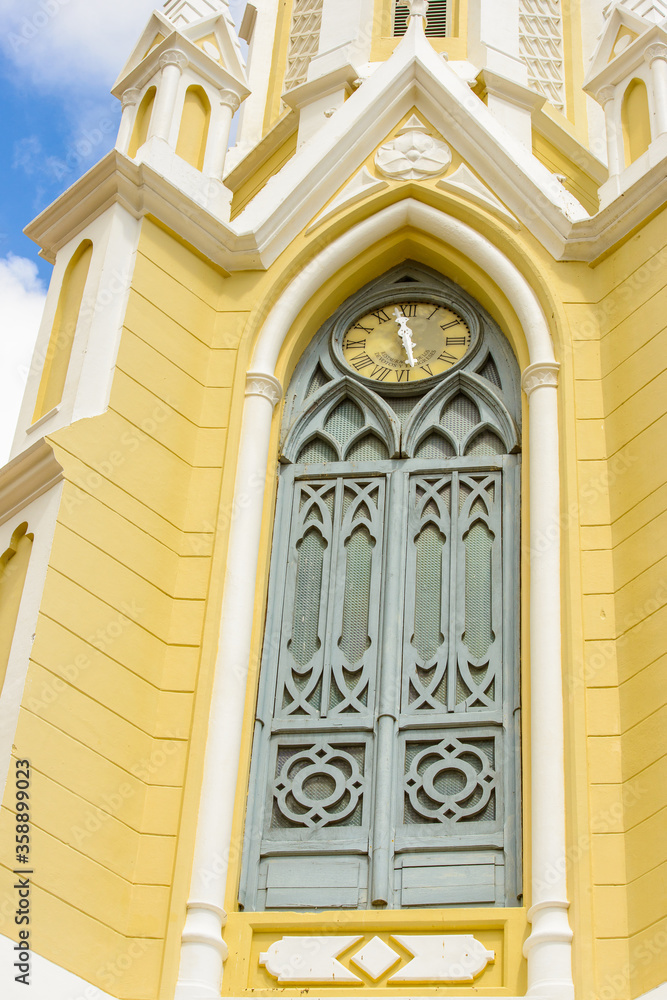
column 304, row 40
column 541, row 46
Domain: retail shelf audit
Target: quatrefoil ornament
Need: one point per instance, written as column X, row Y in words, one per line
column 413, row 156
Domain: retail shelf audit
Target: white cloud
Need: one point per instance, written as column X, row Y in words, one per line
column 22, row 296
column 67, row 43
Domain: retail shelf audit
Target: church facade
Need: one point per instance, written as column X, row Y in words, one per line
column 334, row 549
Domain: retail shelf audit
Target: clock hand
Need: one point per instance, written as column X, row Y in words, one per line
column 405, row 333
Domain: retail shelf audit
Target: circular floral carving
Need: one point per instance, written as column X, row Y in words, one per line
column 413, row 156
column 449, row 781
column 319, row 785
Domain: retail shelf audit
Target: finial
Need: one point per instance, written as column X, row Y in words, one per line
column 417, row 8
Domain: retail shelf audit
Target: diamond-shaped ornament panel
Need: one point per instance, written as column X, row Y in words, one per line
column 376, row 958
column 437, row 958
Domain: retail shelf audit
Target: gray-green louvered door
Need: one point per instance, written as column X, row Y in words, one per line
column 385, row 759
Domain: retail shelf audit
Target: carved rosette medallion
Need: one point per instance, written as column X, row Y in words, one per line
column 413, row 156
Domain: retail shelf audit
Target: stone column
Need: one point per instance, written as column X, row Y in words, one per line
column 656, row 57
column 606, row 97
column 548, row 949
column 218, row 136
column 129, row 101
column 172, row 64
column 203, row 951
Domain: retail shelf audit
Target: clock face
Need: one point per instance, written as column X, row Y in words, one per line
column 405, row 342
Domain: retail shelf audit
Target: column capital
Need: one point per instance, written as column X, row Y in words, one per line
column 657, row 51
column 604, row 95
column 130, row 97
column 544, row 373
column 230, row 99
column 268, row 386
column 174, row 57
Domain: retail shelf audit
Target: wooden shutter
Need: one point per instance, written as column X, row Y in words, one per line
column 313, row 763
column 436, row 19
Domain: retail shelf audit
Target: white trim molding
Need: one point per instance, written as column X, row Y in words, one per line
column 548, row 949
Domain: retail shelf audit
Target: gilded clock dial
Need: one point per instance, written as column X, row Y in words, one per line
column 405, row 342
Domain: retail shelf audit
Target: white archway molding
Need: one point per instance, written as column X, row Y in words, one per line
column 548, row 949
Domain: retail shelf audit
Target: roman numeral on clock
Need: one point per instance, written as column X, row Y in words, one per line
column 427, row 369
column 361, row 361
column 354, row 345
column 450, row 326
column 358, row 326
column 409, row 309
column 403, row 375
column 456, row 341
column 379, row 373
column 446, row 356
column 381, row 316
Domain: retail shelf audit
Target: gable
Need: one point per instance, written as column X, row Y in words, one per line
column 414, row 79
column 621, row 24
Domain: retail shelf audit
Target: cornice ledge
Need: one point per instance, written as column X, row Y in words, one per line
column 265, row 385
column 141, row 191
column 593, row 237
column 27, row 477
column 541, row 374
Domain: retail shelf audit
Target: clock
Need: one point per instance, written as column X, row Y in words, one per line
column 404, row 343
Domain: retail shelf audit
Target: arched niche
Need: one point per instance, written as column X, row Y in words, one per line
column 142, row 122
column 13, row 571
column 195, row 121
column 636, row 121
column 61, row 341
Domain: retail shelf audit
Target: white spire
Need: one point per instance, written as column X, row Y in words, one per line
column 184, row 12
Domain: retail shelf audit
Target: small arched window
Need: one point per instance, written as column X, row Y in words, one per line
column 142, row 122
column 193, row 134
column 384, row 769
column 13, row 572
column 636, row 121
column 59, row 349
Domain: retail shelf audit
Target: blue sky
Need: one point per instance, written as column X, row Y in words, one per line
column 58, row 61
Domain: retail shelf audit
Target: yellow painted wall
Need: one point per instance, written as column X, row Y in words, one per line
column 259, row 177
column 108, row 703
column 633, row 361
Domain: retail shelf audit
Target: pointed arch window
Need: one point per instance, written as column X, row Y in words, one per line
column 385, row 760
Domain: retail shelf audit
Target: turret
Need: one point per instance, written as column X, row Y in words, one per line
column 180, row 89
column 628, row 78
